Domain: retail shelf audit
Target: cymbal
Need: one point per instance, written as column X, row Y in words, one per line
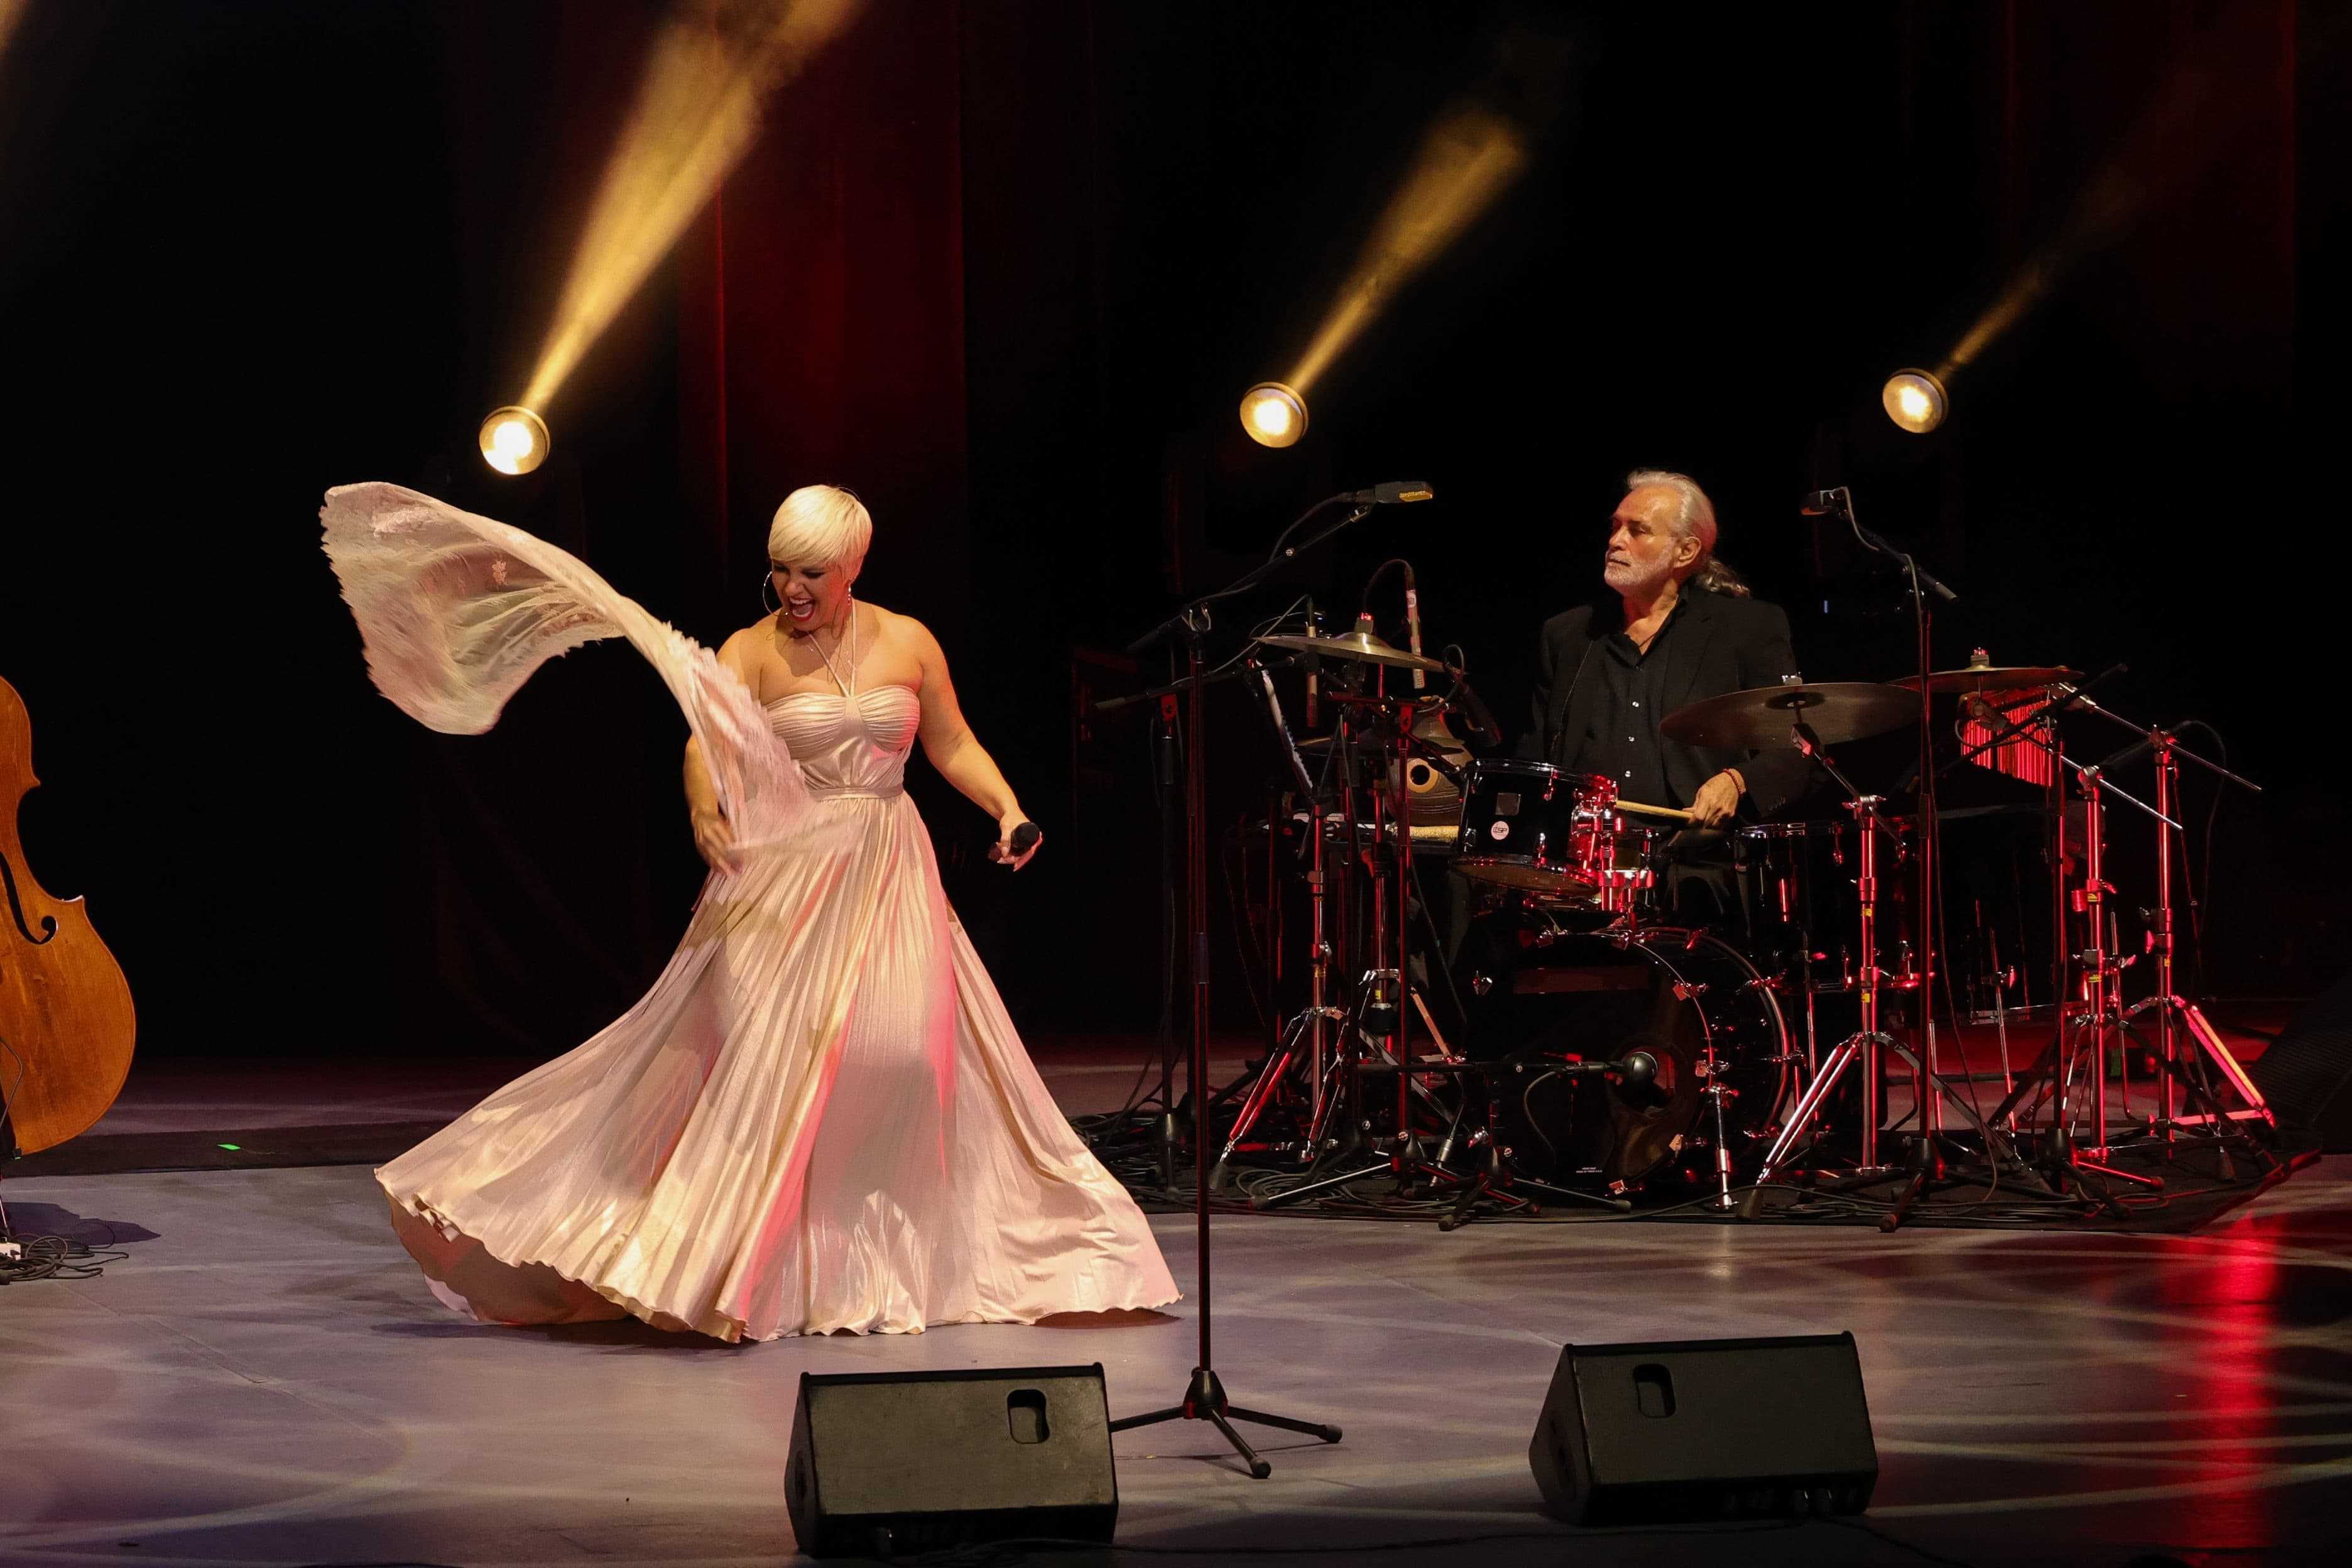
column 1837, row 711
column 1991, row 677
column 1364, row 645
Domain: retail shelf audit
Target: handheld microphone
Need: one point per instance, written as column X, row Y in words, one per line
column 1396, row 492
column 1024, row 838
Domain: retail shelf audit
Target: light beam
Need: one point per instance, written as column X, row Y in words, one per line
column 1467, row 160
column 696, row 110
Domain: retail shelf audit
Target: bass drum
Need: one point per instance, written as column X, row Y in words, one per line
column 1559, row 999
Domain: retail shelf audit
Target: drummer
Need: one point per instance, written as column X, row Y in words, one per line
column 1677, row 625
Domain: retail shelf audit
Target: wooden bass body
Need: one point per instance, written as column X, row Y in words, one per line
column 66, row 1021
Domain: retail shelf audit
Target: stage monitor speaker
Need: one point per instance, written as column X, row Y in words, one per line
column 2306, row 1073
column 884, row 1463
column 1704, row 1429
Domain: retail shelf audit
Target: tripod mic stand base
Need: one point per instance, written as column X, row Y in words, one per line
column 2064, row 1168
column 1169, row 1136
column 1928, row 1167
column 1204, row 1400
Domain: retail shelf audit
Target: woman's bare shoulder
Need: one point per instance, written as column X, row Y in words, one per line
column 900, row 625
column 749, row 639
column 743, row 649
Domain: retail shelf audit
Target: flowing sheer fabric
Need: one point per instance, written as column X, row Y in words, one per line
column 820, row 1116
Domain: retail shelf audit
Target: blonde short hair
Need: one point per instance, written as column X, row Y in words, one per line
column 820, row 525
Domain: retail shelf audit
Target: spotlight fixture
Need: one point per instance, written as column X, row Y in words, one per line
column 513, row 439
column 1273, row 415
column 1915, row 400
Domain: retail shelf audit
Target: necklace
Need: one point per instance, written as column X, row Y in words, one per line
column 847, row 635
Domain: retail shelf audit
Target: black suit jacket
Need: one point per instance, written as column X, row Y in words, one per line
column 1721, row 644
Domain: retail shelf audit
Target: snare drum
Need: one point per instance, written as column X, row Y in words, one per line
column 1533, row 827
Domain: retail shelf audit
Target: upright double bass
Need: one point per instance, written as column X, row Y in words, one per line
column 66, row 1020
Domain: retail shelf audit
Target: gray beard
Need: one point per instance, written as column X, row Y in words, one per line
column 1621, row 583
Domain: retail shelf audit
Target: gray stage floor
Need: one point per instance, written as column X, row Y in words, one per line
column 263, row 1379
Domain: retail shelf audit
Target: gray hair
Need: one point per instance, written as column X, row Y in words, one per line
column 1694, row 519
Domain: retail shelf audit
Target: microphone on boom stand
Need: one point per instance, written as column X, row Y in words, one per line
column 1490, row 734
column 1314, row 664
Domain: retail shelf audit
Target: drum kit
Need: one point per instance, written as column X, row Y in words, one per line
column 1522, row 988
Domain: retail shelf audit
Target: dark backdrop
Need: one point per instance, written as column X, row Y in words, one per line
column 1004, row 269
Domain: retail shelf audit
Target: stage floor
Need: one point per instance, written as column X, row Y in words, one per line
column 262, row 1378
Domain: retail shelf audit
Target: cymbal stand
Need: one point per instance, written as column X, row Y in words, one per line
column 2169, row 1006
column 1385, row 1000
column 2101, row 1019
column 2099, row 1012
column 2039, row 727
column 1319, row 1013
column 1868, row 1042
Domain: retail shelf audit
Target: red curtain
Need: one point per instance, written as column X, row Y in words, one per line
column 821, row 333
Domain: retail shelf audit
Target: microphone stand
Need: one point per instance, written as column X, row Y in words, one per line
column 1166, row 1135
column 1929, row 1163
column 1205, row 1396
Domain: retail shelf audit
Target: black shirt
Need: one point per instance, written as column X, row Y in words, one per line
column 1622, row 740
column 1719, row 643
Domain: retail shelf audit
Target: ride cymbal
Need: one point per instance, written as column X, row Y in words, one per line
column 1836, row 711
column 1991, row 677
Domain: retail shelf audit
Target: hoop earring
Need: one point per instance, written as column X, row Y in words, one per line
column 767, row 587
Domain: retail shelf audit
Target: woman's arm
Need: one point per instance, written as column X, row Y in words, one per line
column 951, row 745
column 713, row 839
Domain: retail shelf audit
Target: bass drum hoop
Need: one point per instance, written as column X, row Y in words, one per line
column 1662, row 947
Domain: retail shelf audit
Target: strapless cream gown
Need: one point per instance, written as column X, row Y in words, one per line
column 820, row 1116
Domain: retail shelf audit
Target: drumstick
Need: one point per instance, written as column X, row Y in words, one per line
column 1640, row 810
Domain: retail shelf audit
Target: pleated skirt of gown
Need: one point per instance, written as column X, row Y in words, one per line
column 819, row 1117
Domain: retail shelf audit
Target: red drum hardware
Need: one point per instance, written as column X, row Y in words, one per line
column 1523, row 989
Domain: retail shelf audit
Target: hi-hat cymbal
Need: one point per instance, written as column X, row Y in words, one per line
column 1991, row 677
column 1836, row 711
column 1361, row 645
